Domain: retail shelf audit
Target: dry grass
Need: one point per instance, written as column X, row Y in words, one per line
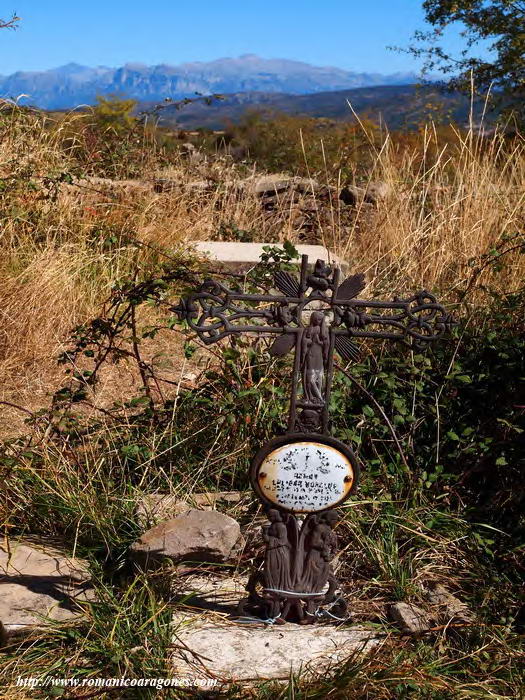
column 445, row 209
column 444, row 212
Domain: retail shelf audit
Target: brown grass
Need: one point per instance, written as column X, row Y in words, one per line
column 446, row 208
column 445, row 211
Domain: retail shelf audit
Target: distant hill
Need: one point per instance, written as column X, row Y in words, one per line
column 72, row 85
column 396, row 106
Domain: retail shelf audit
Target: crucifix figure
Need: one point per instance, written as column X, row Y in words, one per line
column 306, row 473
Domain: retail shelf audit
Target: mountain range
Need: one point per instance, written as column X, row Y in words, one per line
column 72, row 85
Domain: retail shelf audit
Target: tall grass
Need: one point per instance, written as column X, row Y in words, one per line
column 448, row 206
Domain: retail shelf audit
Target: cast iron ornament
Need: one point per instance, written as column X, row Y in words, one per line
column 315, row 316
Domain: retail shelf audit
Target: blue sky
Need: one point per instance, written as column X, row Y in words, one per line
column 349, row 34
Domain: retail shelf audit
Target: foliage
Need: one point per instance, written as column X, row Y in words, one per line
column 11, row 23
column 497, row 21
column 450, row 508
column 126, row 633
column 304, row 145
column 436, row 403
column 114, row 112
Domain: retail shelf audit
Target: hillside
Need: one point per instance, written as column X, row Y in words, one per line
column 72, row 85
column 397, row 106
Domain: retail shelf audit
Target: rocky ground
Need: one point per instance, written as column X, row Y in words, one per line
column 198, row 549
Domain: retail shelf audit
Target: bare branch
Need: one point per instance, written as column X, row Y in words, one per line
column 10, row 23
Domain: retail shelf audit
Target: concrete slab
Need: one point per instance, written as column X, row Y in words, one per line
column 242, row 256
column 213, row 644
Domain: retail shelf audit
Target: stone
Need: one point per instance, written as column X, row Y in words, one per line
column 38, row 581
column 193, row 536
column 217, row 592
column 196, row 187
column 240, row 653
column 192, row 153
column 241, row 257
column 233, row 651
column 188, row 147
column 372, row 194
column 270, row 185
column 409, row 618
column 448, row 606
column 274, row 184
column 107, row 185
column 352, row 195
column 154, row 507
column 377, row 191
column 307, row 185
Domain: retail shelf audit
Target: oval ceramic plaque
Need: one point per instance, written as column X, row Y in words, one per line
column 304, row 475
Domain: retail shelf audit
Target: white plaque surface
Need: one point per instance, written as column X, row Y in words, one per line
column 305, row 477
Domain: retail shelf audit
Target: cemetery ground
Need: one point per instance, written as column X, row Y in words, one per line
column 106, row 400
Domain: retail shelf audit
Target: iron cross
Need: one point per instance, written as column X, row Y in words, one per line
column 315, row 315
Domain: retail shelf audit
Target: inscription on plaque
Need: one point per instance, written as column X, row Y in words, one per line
column 305, row 477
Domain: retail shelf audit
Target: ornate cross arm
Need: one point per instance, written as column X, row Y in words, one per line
column 419, row 318
column 314, row 315
column 214, row 312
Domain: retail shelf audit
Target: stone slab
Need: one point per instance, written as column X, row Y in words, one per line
column 447, row 606
column 243, row 256
column 236, row 653
column 213, row 644
column 38, row 581
column 410, row 618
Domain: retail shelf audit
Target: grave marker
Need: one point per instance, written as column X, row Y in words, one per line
column 303, row 475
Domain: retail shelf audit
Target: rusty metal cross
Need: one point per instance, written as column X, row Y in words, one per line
column 303, row 475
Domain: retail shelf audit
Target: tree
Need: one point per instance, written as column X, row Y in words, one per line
column 114, row 112
column 499, row 22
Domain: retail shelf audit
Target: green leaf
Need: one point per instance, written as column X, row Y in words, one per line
column 464, row 378
column 290, row 249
